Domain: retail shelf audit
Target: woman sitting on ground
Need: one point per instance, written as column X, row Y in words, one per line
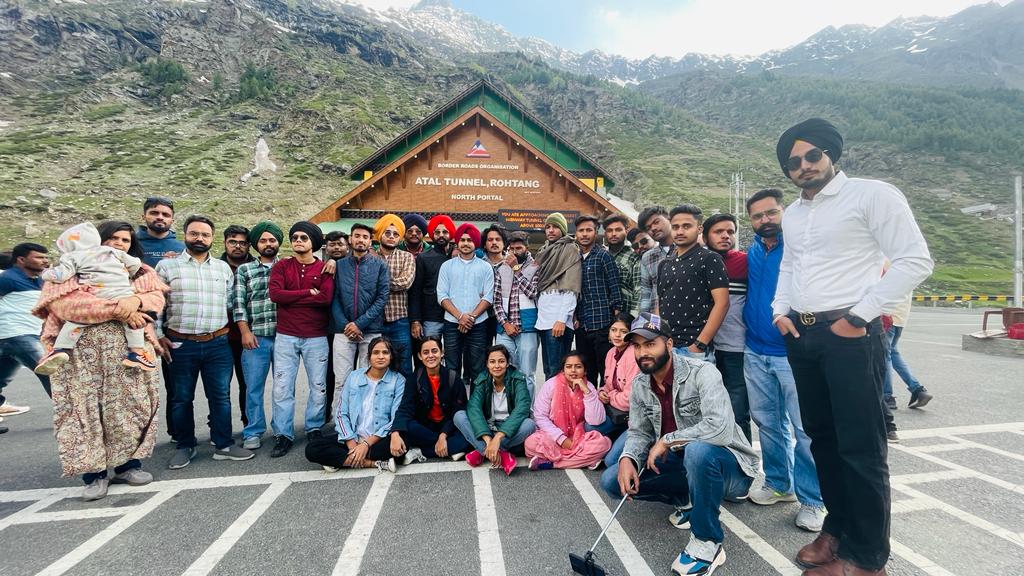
column 497, row 418
column 369, row 402
column 620, row 368
column 564, row 404
column 424, row 425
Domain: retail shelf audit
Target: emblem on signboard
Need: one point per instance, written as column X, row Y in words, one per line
column 478, row 151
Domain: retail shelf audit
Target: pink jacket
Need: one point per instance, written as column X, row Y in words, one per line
column 618, row 391
column 593, row 409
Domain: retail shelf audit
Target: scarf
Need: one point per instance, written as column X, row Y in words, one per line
column 567, row 408
column 560, row 266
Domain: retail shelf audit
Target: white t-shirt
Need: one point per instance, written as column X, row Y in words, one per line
column 364, row 428
column 499, row 408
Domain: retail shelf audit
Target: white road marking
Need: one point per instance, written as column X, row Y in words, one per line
column 766, row 551
column 222, row 545
column 359, row 537
column 85, row 549
column 987, row 448
column 29, row 511
column 932, row 476
column 959, row 430
column 943, row 447
column 912, row 505
column 953, row 466
column 64, row 515
column 631, row 559
column 492, row 558
column 964, row 516
column 920, row 562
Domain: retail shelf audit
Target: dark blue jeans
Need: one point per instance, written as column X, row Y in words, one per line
column 24, row 350
column 424, row 436
column 214, row 362
column 401, row 338
column 465, row 353
column 700, row 473
column 553, row 349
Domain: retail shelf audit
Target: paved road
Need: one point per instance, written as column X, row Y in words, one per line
column 957, row 493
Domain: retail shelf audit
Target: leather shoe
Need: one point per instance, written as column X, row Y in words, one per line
column 819, row 552
column 281, row 447
column 839, row 567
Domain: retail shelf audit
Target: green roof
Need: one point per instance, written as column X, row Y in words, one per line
column 507, row 110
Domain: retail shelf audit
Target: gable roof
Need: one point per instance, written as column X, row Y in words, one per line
column 501, row 107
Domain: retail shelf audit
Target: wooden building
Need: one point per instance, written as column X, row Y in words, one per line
column 481, row 158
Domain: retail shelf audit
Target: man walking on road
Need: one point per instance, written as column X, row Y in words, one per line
column 20, row 287
column 830, row 296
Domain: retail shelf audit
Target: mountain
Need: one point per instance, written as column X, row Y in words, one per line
column 104, row 103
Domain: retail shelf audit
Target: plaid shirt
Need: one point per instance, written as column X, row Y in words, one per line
column 520, row 285
column 252, row 298
column 600, row 295
column 626, row 259
column 200, row 297
column 649, row 277
column 402, row 267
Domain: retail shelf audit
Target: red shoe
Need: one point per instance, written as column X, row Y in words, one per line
column 474, row 458
column 508, row 462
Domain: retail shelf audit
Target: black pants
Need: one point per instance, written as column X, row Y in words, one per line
column 594, row 346
column 165, row 373
column 327, row 451
column 236, row 355
column 839, row 384
column 730, row 364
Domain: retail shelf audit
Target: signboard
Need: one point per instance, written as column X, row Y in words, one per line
column 530, row 220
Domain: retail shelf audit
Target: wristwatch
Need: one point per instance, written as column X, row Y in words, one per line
column 517, row 267
column 700, row 345
column 855, row 321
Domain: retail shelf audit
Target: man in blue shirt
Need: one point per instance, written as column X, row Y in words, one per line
column 465, row 289
column 155, row 235
column 790, row 474
column 19, row 330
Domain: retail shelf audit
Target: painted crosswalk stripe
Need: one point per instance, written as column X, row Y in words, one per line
column 919, row 561
column 492, row 559
column 617, row 537
column 769, row 554
column 221, row 546
column 359, row 538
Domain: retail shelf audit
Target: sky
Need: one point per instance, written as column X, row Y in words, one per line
column 640, row 28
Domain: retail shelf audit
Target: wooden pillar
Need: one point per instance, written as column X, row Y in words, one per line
column 444, row 140
column 526, row 160
column 404, row 179
column 477, row 125
column 508, row 140
column 553, row 176
column 430, row 156
column 387, row 189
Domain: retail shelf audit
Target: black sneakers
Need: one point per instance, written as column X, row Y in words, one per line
column 281, row 447
column 919, row 398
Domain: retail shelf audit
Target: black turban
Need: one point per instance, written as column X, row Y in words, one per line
column 815, row 131
column 316, row 236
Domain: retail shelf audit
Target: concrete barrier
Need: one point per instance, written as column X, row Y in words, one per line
column 998, row 346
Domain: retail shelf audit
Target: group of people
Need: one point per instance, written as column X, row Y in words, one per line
column 421, row 339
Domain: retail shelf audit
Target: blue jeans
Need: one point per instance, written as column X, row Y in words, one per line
column 897, row 363
column 431, row 328
column 524, row 353
column 24, row 350
column 213, row 361
column 255, row 367
column 401, row 338
column 700, row 473
column 707, row 356
column 462, row 423
column 465, row 353
column 554, row 349
column 288, row 351
column 613, row 455
column 775, row 408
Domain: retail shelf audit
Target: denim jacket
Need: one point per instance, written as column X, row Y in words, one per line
column 703, row 413
column 386, row 400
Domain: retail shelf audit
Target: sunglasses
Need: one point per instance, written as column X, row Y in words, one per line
column 299, row 237
column 813, row 156
column 644, row 241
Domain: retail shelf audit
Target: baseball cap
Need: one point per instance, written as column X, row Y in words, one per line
column 649, row 326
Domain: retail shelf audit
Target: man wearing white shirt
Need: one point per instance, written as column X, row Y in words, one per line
column 827, row 305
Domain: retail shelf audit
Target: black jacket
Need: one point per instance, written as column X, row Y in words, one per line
column 423, row 304
column 419, row 398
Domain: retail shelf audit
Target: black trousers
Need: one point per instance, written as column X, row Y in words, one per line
column 839, row 384
column 594, row 346
column 327, row 451
column 236, row 355
column 165, row 374
column 730, row 364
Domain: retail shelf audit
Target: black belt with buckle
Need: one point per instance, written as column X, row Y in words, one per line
column 812, row 318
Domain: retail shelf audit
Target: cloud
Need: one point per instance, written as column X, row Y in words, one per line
column 746, row 28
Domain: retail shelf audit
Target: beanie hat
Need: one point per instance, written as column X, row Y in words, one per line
column 558, row 220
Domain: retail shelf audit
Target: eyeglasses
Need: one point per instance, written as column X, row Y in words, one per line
column 299, row 238
column 237, row 243
column 813, row 156
column 765, row 215
column 203, row 235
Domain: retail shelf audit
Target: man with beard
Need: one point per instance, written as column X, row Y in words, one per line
column 693, row 287
column 515, row 306
column 639, row 241
column 415, row 228
column 653, row 221
column 256, row 317
column 335, row 245
column 681, row 429
column 426, row 316
column 625, row 259
column 495, row 242
column 829, row 298
column 155, row 235
column 720, row 237
column 302, row 290
column 236, row 253
column 600, row 299
column 789, row 471
column 465, row 289
column 561, row 276
column 20, row 288
column 194, row 341
column 389, row 231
